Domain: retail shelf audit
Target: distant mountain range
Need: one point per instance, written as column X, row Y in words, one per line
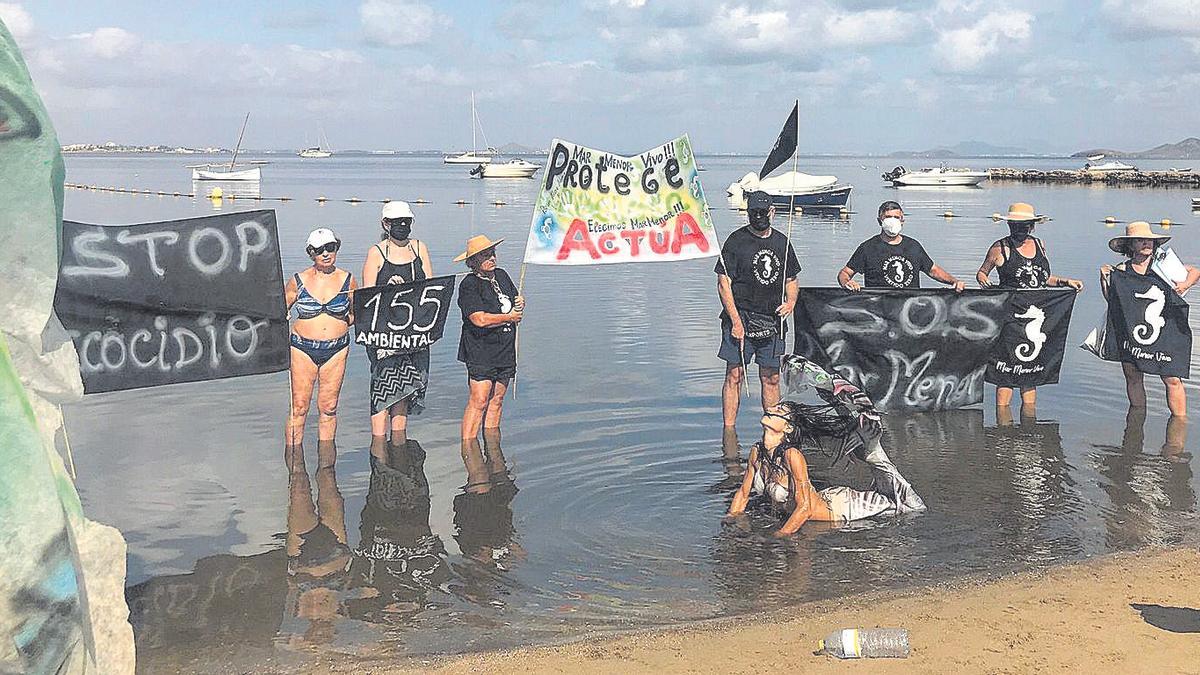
column 965, row 149
column 1188, row 148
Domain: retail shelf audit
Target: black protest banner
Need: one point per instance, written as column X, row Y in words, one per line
column 1148, row 324
column 1033, row 337
column 176, row 301
column 920, row 349
column 402, row 318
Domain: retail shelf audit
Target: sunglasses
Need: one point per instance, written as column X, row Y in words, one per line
column 331, row 247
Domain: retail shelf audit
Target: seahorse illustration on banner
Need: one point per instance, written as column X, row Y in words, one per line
column 1147, row 333
column 1028, row 351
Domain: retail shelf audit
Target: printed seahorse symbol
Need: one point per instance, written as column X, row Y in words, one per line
column 898, row 271
column 1147, row 333
column 767, row 271
column 1028, row 351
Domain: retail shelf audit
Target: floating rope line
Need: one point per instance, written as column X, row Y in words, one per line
column 322, row 199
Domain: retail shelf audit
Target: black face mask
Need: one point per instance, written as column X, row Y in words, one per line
column 1019, row 233
column 760, row 219
column 399, row 229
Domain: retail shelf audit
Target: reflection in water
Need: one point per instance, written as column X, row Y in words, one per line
column 1145, row 489
column 316, row 545
column 399, row 560
column 483, row 518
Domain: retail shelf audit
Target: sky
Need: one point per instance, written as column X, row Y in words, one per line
column 872, row 76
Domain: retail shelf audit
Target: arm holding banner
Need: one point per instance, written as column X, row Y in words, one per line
column 991, row 260
column 945, row 277
column 488, row 320
column 1193, row 275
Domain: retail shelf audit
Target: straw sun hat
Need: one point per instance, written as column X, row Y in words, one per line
column 477, row 244
column 1022, row 212
column 1138, row 229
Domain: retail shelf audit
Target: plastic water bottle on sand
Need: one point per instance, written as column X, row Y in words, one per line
column 866, row 643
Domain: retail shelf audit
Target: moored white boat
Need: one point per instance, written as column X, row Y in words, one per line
column 223, row 172
column 934, row 177
column 791, row 188
column 514, row 168
column 1111, row 166
column 1095, row 158
column 1196, row 202
column 315, row 153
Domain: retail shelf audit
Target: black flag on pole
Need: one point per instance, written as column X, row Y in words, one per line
column 785, row 145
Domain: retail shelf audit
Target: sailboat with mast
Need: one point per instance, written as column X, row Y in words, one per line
column 320, row 151
column 473, row 156
column 230, row 172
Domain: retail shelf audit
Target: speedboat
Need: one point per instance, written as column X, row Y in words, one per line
column 514, row 168
column 1110, row 166
column 1186, row 169
column 792, row 189
column 1196, row 202
column 225, row 172
column 1095, row 158
column 934, row 177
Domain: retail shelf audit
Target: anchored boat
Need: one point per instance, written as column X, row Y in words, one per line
column 514, row 168
column 792, row 188
column 473, row 156
column 230, row 171
column 935, row 177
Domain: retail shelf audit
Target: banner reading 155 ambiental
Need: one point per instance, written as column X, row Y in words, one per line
column 597, row 207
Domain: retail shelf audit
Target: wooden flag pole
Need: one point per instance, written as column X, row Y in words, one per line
column 517, row 328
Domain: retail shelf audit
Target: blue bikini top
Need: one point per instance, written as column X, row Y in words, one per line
column 308, row 307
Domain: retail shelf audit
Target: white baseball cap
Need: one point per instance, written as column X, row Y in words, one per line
column 393, row 210
column 319, row 237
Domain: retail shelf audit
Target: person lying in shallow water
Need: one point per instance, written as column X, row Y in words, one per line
column 779, row 471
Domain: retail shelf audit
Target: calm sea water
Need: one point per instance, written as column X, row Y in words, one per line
column 619, row 474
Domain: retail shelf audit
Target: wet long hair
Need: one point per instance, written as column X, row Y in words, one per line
column 812, row 422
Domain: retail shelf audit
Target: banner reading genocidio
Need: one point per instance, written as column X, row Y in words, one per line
column 177, row 301
column 916, row 350
column 1148, row 325
column 598, row 207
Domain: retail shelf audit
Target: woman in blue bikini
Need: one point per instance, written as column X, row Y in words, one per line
column 320, row 335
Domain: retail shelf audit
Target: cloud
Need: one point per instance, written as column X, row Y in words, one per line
column 966, row 49
column 399, row 23
column 871, row 27
column 19, row 23
column 108, row 42
column 1150, row 18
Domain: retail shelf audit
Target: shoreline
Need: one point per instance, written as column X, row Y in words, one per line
column 1060, row 618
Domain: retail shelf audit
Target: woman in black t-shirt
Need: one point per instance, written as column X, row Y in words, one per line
column 491, row 310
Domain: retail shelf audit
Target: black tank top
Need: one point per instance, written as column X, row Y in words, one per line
column 410, row 271
column 1017, row 271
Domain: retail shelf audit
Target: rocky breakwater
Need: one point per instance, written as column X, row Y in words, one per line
column 1116, row 178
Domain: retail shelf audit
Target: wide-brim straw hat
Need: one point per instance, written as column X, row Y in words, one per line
column 1023, row 213
column 477, row 244
column 1138, row 229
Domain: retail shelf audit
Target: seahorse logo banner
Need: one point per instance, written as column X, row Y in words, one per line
column 1148, row 325
column 919, row 350
column 597, row 207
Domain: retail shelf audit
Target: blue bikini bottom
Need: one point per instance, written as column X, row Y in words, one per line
column 320, row 351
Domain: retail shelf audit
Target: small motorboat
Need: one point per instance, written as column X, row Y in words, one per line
column 792, row 189
column 1196, row 202
column 935, row 177
column 514, row 168
column 1186, row 169
column 1111, row 166
column 1095, row 158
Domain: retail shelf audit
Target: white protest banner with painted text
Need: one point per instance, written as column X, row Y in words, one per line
column 177, row 301
column 919, row 350
column 598, row 207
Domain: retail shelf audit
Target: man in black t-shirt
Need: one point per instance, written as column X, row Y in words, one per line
column 892, row 260
column 756, row 280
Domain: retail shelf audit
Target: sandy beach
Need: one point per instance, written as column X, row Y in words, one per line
column 1126, row 613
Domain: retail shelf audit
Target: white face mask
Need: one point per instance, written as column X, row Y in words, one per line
column 891, row 226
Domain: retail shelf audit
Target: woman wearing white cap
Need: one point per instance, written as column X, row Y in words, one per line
column 1021, row 262
column 1138, row 244
column 491, row 310
column 320, row 335
column 398, row 381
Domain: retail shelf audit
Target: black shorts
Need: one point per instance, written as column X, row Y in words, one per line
column 481, row 372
